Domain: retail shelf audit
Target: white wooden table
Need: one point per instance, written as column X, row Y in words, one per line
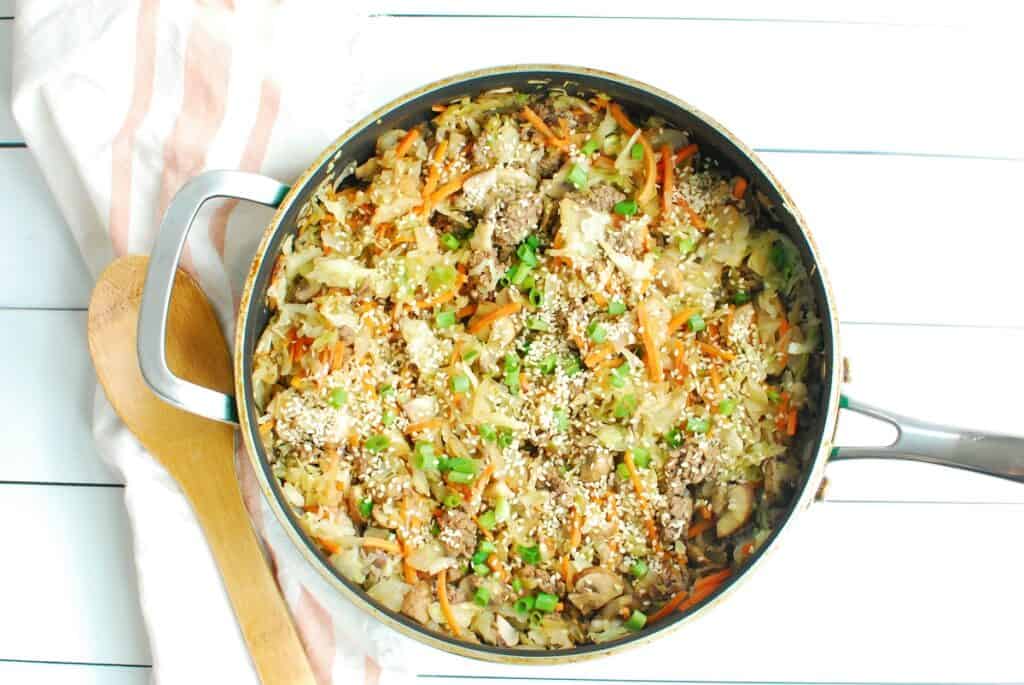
column 898, row 131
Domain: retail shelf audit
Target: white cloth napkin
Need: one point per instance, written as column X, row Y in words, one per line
column 121, row 103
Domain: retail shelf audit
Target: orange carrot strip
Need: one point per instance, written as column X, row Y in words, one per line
column 633, row 475
column 740, row 188
column 446, row 608
column 699, row 527
column 406, row 142
column 713, row 351
column 696, row 219
column 680, row 319
column 685, row 153
column 598, row 354
column 543, row 129
column 576, row 533
column 791, row 423
column 382, row 544
column 329, row 547
column 566, row 571
column 432, row 302
column 653, row 356
column 435, row 169
column 426, row 424
column 466, row 311
column 679, row 350
column 667, row 179
column 337, row 355
column 716, row 379
column 438, row 108
column 487, row 533
column 650, row 171
column 668, row 607
column 450, row 188
column 600, row 299
column 620, row 118
column 703, row 588
column 494, row 315
column 604, row 162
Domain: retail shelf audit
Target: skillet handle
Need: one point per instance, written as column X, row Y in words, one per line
column 156, row 293
column 988, row 453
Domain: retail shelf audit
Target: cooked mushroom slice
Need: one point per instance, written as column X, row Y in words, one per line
column 620, row 607
column 416, row 602
column 778, row 476
column 594, row 588
column 507, row 634
column 739, row 505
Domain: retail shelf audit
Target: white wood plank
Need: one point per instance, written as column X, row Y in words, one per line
column 859, row 593
column 909, row 237
column 8, row 129
column 47, row 399
column 67, row 583
column 72, row 674
column 40, row 265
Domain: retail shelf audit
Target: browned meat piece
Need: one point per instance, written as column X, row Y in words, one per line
column 514, row 218
column 554, row 480
column 594, row 588
column 690, row 464
column 458, row 532
column 483, row 274
column 416, row 602
column 547, row 581
column 676, row 519
column 549, row 163
column 601, row 197
column 741, row 279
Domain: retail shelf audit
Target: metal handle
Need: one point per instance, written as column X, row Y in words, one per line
column 995, row 455
column 156, row 293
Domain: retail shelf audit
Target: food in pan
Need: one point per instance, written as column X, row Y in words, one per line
column 533, row 371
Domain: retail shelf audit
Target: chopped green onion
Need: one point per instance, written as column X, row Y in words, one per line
column 459, row 465
column 530, row 555
column 435, row 529
column 773, row 396
column 545, row 602
column 533, row 241
column 445, row 319
column 452, row 500
column 577, row 176
column 376, row 443
column 481, row 569
column 597, row 332
column 502, row 510
column 686, row 245
column 488, row 520
column 697, row 323
column 616, row 307
column 469, row 355
column 561, row 419
column 528, row 282
column 622, row 471
column 625, row 208
column 625, row 406
column 338, row 397
column 536, row 297
column 423, row 456
column 527, row 254
column 512, row 381
column 617, row 378
column 487, row 547
column 505, row 437
column 674, row 438
column 637, row 151
column 726, row 407
column 482, row 596
column 641, row 457
column 637, row 621
column 524, row 604
column 547, row 364
column 535, row 323
column 461, row 478
column 511, row 362
column 638, row 569
column 460, row 383
column 517, row 585
column 782, row 260
column 741, row 297
column 440, row 277
column 571, row 365
column 386, row 390
column 388, row 417
column 590, row 147
column 518, row 273
column 450, row 241
column 695, row 425
column 487, row 432
column 365, row 508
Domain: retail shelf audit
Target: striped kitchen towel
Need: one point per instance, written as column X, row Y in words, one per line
column 121, row 103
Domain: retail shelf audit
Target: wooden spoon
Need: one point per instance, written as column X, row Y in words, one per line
column 198, row 452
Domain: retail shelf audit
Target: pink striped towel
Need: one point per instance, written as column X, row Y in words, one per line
column 121, row 103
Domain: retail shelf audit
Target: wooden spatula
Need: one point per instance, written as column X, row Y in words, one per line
column 197, row 452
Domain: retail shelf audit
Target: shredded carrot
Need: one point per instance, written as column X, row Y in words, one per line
column 427, row 424
column 716, row 379
column 704, row 510
column 494, row 563
column 456, row 351
column 466, row 311
column 446, row 608
column 598, row 354
column 680, row 319
column 696, row 219
column 748, row 548
column 543, row 129
column 329, row 547
column 450, row 188
column 435, row 169
column 382, row 544
column 650, row 171
column 633, row 475
column 713, row 351
column 430, row 303
column 576, row 532
column 620, row 118
column 524, row 381
column 740, row 188
column 667, row 180
column 494, row 315
column 652, row 532
column 652, row 356
column 406, row 142
column 699, row 527
column 679, row 350
column 487, row 533
column 791, row 422
column 604, row 162
column 438, row 108
column 685, row 153
column 600, row 299
column 703, row 588
column 563, row 128
column 337, row 355
column 566, row 571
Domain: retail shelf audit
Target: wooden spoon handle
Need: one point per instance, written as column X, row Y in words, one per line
column 262, row 614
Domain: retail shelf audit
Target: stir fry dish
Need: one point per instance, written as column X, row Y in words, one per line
column 534, row 370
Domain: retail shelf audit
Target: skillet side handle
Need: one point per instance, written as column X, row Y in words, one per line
column 988, row 453
column 156, row 293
